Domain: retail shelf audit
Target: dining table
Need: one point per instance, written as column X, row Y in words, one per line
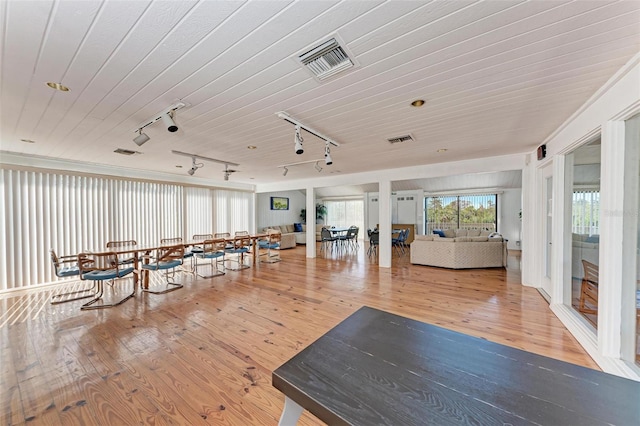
column 142, row 252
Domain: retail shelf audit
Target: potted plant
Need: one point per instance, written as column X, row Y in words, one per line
column 303, row 215
column 321, row 212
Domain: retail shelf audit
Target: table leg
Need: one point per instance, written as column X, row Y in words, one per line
column 291, row 413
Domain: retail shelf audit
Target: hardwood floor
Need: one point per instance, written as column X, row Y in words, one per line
column 204, row 354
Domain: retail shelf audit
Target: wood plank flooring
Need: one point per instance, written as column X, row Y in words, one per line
column 204, row 354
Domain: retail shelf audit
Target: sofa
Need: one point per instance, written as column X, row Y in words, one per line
column 301, row 237
column 288, row 235
column 461, row 249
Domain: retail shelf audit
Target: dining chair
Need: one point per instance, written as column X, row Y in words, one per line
column 100, row 267
column 274, row 238
column 70, row 270
column 188, row 254
column 374, row 242
column 167, row 259
column 120, row 244
column 349, row 239
column 239, row 246
column 327, row 240
column 212, row 250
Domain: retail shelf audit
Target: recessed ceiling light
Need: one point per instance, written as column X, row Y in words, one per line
column 442, row 150
column 252, row 147
column 27, row 141
column 178, row 166
column 417, row 103
column 58, row 86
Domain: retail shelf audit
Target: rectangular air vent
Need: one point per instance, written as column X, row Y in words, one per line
column 399, row 139
column 125, row 151
column 327, row 59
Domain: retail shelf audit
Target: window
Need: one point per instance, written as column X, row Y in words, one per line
column 345, row 213
column 461, row 211
column 585, row 212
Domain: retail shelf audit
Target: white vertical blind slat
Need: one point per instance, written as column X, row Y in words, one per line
column 75, row 213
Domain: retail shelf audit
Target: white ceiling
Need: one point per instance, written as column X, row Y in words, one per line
column 497, row 76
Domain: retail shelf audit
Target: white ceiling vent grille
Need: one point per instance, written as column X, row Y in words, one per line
column 400, row 139
column 327, row 59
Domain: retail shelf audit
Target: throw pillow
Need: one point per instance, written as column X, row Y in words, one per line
column 439, row 232
column 297, row 227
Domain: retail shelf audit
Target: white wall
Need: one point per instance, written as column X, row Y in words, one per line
column 267, row 217
column 509, row 223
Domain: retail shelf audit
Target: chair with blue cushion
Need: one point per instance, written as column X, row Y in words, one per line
column 239, row 246
column 374, row 242
column 214, row 251
column 100, row 267
column 188, row 254
column 272, row 242
column 67, row 267
column 167, row 259
column 119, row 245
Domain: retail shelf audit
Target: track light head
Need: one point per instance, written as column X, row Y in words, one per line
column 194, row 166
column 327, row 156
column 298, row 140
column 141, row 138
column 318, row 168
column 226, row 175
column 285, row 171
column 168, row 122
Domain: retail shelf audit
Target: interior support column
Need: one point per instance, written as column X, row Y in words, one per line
column 384, row 204
column 311, row 222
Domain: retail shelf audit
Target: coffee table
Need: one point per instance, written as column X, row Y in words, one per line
column 379, row 368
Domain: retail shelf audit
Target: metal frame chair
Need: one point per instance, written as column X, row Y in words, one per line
column 167, row 258
column 274, row 238
column 212, row 249
column 240, row 246
column 100, row 267
column 374, row 241
column 187, row 254
column 68, row 271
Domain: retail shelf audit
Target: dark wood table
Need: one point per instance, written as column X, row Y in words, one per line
column 377, row 368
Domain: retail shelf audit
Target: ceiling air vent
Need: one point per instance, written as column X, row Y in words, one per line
column 125, row 151
column 399, row 139
column 327, row 59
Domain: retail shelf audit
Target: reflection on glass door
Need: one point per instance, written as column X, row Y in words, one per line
column 547, row 174
column 585, row 230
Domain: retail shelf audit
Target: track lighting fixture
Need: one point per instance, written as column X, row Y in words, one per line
column 285, row 171
column 166, row 116
column 167, row 120
column 298, row 138
column 298, row 141
column 327, row 156
column 318, row 168
column 194, row 166
column 141, row 138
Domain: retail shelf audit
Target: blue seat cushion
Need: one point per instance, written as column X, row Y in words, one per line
column 210, row 255
column 237, row 251
column 162, row 265
column 68, row 271
column 187, row 254
column 107, row 275
column 265, row 244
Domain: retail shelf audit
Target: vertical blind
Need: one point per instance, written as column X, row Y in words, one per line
column 585, row 212
column 72, row 214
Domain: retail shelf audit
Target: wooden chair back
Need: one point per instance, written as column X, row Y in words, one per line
column 120, row 244
column 589, row 288
column 171, row 241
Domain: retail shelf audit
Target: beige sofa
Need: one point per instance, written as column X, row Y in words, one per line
column 459, row 252
column 288, row 236
column 301, row 237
